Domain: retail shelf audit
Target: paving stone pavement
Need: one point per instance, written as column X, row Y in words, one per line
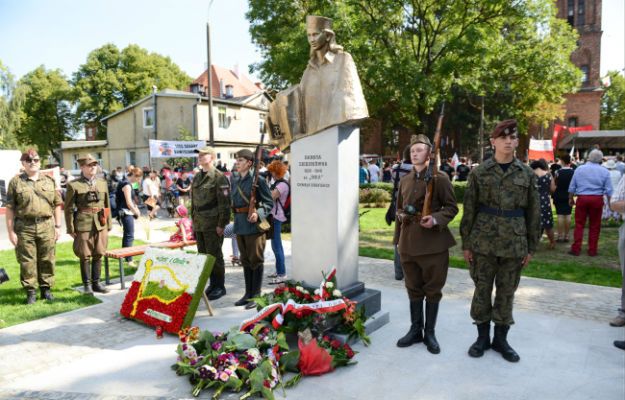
column 47, row 344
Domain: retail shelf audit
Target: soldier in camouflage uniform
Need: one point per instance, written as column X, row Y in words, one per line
column 88, row 220
column 500, row 229
column 250, row 239
column 33, row 218
column 210, row 205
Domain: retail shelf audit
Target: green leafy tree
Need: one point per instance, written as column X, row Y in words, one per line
column 613, row 103
column 111, row 79
column 413, row 54
column 46, row 117
column 10, row 108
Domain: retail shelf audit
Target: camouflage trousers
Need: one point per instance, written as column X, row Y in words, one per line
column 35, row 252
column 210, row 243
column 505, row 273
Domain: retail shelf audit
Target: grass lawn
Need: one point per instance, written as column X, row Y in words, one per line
column 376, row 238
column 13, row 308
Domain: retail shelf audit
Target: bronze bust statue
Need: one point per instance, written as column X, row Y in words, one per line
column 328, row 94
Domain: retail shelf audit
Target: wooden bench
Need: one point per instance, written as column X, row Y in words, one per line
column 121, row 254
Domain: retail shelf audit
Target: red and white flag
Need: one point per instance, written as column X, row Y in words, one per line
column 541, row 149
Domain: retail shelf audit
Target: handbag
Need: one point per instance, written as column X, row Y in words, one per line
column 150, row 201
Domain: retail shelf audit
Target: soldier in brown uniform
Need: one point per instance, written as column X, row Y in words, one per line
column 88, row 220
column 210, row 205
column 423, row 243
column 32, row 201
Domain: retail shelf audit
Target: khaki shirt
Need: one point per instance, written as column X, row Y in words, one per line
column 412, row 239
column 77, row 217
column 33, row 198
column 500, row 236
column 210, row 201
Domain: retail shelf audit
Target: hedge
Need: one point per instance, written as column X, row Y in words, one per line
column 459, row 188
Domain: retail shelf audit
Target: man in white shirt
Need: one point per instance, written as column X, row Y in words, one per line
column 374, row 172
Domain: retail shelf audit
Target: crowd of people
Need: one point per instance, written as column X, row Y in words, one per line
column 249, row 204
column 202, row 199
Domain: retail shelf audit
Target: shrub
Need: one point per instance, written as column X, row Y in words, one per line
column 459, row 188
column 375, row 196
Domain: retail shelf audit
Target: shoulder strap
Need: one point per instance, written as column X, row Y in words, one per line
column 247, row 200
column 41, row 196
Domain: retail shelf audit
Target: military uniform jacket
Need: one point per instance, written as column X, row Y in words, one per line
column 77, row 218
column 412, row 239
column 495, row 235
column 210, row 201
column 264, row 202
column 32, row 199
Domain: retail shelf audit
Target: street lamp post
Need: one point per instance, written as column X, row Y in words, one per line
column 211, row 132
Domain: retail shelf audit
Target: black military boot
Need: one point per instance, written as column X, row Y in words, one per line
column 46, row 294
column 415, row 333
column 257, row 283
column 218, row 283
column 31, row 296
column 429, row 338
column 247, row 274
column 85, row 273
column 500, row 344
column 96, row 269
column 482, row 343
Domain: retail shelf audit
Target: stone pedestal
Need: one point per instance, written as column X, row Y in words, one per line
column 324, row 205
column 324, row 215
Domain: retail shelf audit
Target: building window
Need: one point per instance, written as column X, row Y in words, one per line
column 223, row 122
column 585, row 70
column 572, row 122
column 233, row 156
column 570, row 12
column 98, row 157
column 75, row 161
column 131, row 158
column 261, row 122
column 148, row 117
column 580, row 12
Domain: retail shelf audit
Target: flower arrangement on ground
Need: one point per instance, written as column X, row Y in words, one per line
column 292, row 308
column 164, row 292
column 255, row 356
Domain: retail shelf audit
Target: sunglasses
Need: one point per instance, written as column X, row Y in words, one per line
column 32, row 160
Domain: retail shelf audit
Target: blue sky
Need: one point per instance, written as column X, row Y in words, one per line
column 60, row 33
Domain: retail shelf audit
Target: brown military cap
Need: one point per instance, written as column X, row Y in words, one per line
column 504, row 128
column 29, row 154
column 247, row 154
column 420, row 138
column 86, row 159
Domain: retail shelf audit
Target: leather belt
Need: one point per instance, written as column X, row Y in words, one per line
column 89, row 210
column 517, row 212
column 241, row 210
column 34, row 220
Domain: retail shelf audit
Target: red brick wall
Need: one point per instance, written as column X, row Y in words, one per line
column 585, row 106
column 586, row 103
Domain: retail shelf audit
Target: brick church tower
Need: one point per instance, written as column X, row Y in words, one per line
column 582, row 108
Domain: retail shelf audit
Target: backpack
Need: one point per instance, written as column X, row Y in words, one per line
column 286, row 207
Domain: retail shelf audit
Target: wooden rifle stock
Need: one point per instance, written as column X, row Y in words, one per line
column 432, row 170
column 259, row 154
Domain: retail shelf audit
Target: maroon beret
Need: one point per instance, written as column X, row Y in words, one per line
column 504, row 128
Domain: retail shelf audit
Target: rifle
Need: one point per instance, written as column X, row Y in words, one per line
column 433, row 165
column 259, row 153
